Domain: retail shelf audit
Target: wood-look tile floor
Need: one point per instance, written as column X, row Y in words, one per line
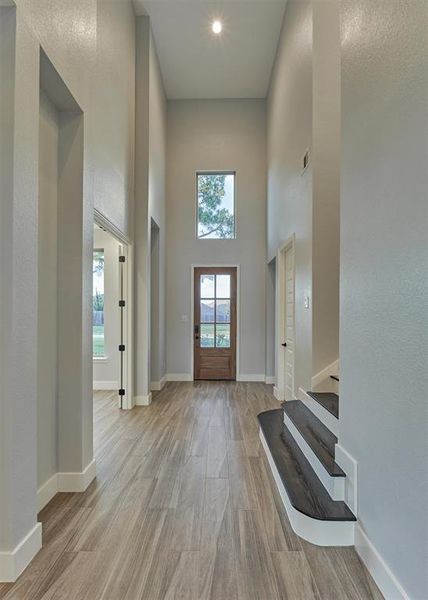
column 183, row 507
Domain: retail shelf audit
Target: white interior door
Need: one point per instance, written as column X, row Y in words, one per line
column 288, row 342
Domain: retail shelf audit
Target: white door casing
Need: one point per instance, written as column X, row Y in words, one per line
column 289, row 324
column 284, row 322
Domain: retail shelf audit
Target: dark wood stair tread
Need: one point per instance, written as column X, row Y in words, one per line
column 305, row 491
column 318, row 437
column 328, row 400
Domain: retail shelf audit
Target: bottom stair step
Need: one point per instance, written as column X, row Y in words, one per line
column 305, row 491
column 313, row 514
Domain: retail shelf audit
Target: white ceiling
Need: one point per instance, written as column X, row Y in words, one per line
column 195, row 63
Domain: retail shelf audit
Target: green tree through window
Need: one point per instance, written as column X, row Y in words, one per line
column 98, row 342
column 216, row 219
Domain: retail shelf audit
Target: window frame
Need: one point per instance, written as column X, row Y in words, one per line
column 215, row 172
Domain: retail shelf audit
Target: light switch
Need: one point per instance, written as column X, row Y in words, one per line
column 184, row 318
column 306, row 302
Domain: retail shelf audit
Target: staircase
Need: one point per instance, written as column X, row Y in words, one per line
column 299, row 440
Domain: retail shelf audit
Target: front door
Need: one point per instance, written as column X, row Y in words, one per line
column 214, row 331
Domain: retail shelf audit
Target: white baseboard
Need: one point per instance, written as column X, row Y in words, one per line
column 240, row 377
column 143, row 400
column 348, row 464
column 179, row 377
column 251, row 377
column 156, row 386
column 377, row 567
column 77, row 482
column 47, row 491
column 321, row 533
column 65, row 482
column 270, row 379
column 105, row 385
column 332, row 369
column 13, row 563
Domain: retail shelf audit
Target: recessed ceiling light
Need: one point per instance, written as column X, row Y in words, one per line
column 217, row 27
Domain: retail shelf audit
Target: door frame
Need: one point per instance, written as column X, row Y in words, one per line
column 192, row 311
column 289, row 244
column 128, row 250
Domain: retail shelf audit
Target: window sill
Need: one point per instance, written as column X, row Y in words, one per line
column 100, row 359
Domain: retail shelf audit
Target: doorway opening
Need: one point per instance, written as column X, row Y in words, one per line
column 106, row 334
column 214, row 323
column 156, row 318
column 285, row 322
column 111, row 311
column 270, row 321
column 62, row 395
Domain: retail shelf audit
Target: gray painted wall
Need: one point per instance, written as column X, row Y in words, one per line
column 289, row 204
column 384, row 223
column 47, row 389
column 157, row 207
column 325, row 183
column 216, row 135
column 304, row 114
column 114, row 118
column 19, row 284
column 67, row 31
column 149, row 201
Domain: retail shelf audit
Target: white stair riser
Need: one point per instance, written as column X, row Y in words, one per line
column 321, row 413
column 335, row 486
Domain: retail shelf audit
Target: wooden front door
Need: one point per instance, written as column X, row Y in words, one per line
column 214, row 331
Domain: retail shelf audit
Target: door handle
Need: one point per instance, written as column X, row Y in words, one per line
column 284, row 344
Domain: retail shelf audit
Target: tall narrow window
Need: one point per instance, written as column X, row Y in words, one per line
column 216, row 206
column 98, row 345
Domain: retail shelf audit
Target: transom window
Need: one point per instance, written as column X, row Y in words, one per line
column 216, row 205
column 215, row 311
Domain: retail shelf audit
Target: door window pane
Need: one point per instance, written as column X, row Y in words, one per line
column 223, row 311
column 207, row 286
column 222, row 338
column 98, row 344
column 207, row 311
column 207, row 336
column 223, row 286
column 216, row 206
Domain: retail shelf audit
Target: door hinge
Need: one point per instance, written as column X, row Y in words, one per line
column 121, row 303
column 121, row 259
column 121, row 392
column 121, row 347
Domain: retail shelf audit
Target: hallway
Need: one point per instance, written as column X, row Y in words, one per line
column 183, row 506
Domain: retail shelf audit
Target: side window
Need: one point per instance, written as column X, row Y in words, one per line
column 98, row 345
